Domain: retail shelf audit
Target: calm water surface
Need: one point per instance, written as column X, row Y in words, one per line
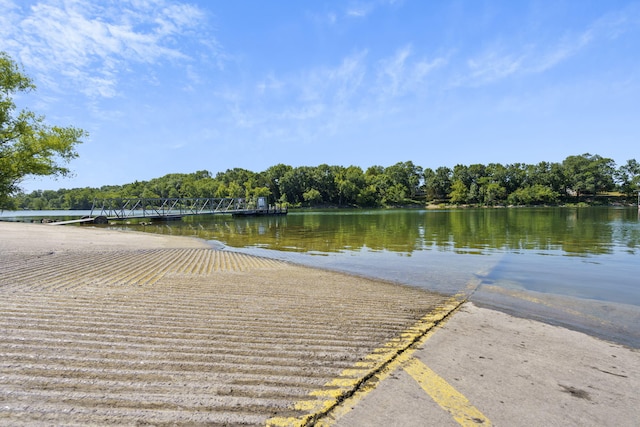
column 581, row 252
column 574, row 266
column 577, row 267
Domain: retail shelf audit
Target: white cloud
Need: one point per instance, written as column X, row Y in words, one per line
column 323, row 101
column 398, row 75
column 358, row 11
column 92, row 43
column 8, row 16
column 303, row 106
column 269, row 84
column 499, row 62
column 614, row 24
column 362, row 9
column 493, row 66
column 306, row 112
column 332, row 85
column 347, row 79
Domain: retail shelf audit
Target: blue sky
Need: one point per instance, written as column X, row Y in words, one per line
column 180, row 86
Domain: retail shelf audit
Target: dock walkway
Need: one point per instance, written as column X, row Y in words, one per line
column 170, row 209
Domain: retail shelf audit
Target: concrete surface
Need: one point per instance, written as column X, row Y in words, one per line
column 517, row 372
column 479, row 367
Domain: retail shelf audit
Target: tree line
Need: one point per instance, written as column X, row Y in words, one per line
column 579, row 178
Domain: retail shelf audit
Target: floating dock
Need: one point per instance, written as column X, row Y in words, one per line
column 173, row 209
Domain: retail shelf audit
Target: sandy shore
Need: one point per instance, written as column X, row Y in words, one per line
column 103, row 327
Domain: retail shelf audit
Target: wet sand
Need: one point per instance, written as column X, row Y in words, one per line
column 106, row 327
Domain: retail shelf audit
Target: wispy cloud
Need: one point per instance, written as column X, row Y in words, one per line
column 332, row 18
column 269, row 84
column 616, row 23
column 502, row 60
column 492, row 66
column 335, row 85
column 301, row 105
column 399, row 75
column 322, row 102
column 359, row 11
column 92, row 43
column 353, row 10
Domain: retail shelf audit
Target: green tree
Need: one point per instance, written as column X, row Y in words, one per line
column 349, row 183
column 272, row 177
column 548, row 174
column 442, row 182
column 405, row 177
column 293, row 184
column 491, row 192
column 367, row 197
column 533, row 195
column 235, row 190
column 394, row 194
column 469, row 178
column 515, row 176
column 28, row 146
column 312, row 196
column 492, row 184
column 237, row 175
column 77, row 198
column 628, row 177
column 459, row 192
column 589, row 173
column 429, row 177
column 378, row 186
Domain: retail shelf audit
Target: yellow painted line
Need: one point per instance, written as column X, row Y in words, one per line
column 435, row 320
column 345, row 407
column 445, row 395
column 364, row 376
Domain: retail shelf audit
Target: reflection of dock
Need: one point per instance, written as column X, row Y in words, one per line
column 261, row 212
column 171, row 209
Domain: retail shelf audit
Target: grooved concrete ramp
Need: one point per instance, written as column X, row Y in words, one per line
column 191, row 335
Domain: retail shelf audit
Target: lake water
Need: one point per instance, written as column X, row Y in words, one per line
column 578, row 267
